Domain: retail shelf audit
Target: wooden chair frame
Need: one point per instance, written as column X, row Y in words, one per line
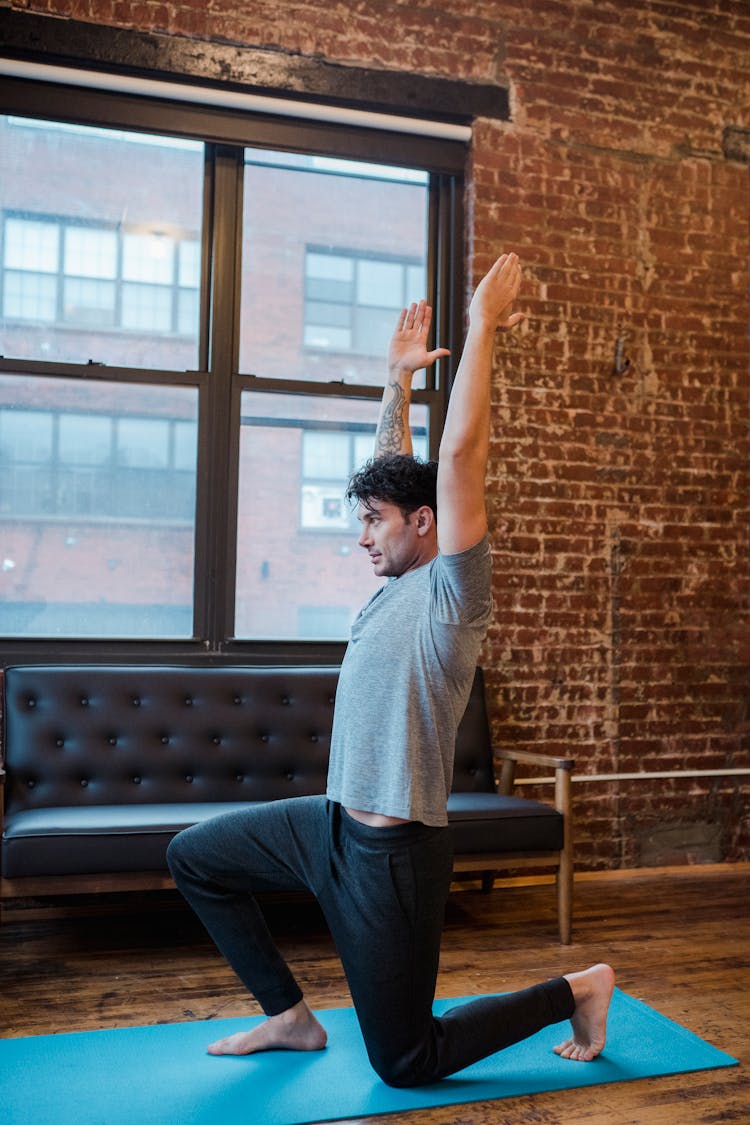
column 489, row 865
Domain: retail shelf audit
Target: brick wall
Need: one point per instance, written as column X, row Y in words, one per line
column 619, row 503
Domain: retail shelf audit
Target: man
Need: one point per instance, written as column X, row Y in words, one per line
column 376, row 849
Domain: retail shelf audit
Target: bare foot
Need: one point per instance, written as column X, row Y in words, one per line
column 296, row 1029
column 592, row 992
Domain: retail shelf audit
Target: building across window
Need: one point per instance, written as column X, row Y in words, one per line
column 352, row 299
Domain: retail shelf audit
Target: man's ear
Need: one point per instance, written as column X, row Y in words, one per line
column 425, row 519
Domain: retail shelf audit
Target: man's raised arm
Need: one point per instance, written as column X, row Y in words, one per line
column 464, row 447
column 407, row 353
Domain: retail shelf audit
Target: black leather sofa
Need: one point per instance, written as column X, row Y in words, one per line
column 104, row 764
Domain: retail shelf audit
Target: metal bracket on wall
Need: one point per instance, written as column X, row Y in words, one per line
column 622, row 362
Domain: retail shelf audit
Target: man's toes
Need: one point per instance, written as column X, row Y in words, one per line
column 574, row 1051
column 232, row 1045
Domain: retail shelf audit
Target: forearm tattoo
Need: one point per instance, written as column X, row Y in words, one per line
column 392, row 428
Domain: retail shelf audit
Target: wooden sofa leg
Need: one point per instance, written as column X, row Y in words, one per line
column 488, row 881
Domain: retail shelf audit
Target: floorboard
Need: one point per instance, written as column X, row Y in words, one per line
column 679, row 940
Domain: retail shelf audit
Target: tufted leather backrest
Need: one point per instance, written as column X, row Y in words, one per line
column 473, row 769
column 111, row 735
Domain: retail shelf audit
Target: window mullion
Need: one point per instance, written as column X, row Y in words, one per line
column 221, row 417
column 445, row 243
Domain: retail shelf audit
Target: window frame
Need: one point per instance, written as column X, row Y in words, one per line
column 220, row 384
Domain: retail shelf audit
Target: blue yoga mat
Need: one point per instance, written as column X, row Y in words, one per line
column 161, row 1075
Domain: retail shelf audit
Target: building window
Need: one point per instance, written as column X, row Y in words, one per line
column 328, row 461
column 59, row 271
column 351, row 300
column 76, row 465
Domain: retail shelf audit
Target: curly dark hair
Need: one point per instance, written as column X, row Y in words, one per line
column 396, row 478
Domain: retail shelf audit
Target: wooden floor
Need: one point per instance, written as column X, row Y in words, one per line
column 678, row 938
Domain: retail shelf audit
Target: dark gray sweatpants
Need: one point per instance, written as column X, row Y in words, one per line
column 383, row 893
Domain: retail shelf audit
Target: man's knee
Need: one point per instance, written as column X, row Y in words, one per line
column 179, row 852
column 403, row 1071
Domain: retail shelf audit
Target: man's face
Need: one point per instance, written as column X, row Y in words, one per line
column 392, row 542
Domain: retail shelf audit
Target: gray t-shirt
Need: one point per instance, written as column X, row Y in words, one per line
column 404, row 685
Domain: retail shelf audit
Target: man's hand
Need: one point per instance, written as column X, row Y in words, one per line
column 407, row 353
column 492, row 304
column 407, row 350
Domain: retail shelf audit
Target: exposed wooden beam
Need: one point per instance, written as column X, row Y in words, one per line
column 155, row 55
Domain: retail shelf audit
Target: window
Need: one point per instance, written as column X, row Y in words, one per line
column 332, row 281
column 351, row 300
column 97, row 508
column 59, row 272
column 192, row 353
column 328, row 461
column 297, row 533
column 101, row 245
